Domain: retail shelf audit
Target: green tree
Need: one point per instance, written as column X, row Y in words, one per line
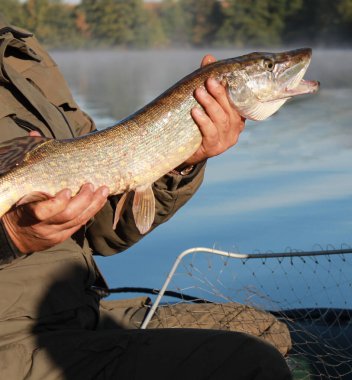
column 12, row 11
column 133, row 23
column 191, row 22
column 345, row 12
column 202, row 18
column 59, row 28
column 174, row 22
column 34, row 13
column 116, row 22
column 149, row 30
column 256, row 22
column 321, row 22
column 52, row 21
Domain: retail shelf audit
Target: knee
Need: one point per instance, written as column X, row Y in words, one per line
column 252, row 358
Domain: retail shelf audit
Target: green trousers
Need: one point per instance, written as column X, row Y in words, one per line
column 51, row 327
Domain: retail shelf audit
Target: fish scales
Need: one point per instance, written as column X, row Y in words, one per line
column 140, row 149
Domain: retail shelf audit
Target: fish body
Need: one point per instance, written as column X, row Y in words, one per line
column 133, row 154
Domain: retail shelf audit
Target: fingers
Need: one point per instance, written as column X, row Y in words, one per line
column 209, row 133
column 34, row 134
column 214, row 124
column 88, row 210
column 81, row 207
column 207, row 59
column 218, row 121
column 74, row 206
column 62, row 209
column 47, row 221
column 41, row 208
column 219, row 93
column 215, row 103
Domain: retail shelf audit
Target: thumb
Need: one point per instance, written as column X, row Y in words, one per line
column 43, row 206
column 207, row 59
column 34, row 134
column 35, row 196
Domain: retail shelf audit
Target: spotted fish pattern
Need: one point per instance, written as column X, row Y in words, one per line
column 134, row 153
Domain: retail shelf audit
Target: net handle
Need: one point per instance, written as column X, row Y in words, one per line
column 231, row 255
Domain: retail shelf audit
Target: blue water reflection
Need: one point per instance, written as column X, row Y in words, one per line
column 287, row 184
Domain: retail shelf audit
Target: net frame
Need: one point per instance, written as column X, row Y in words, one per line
column 317, row 332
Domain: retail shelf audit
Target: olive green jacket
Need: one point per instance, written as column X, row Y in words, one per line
column 35, row 96
column 52, row 323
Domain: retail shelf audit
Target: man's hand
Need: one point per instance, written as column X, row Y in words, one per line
column 39, row 221
column 45, row 221
column 219, row 123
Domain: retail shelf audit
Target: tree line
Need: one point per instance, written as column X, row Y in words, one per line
column 193, row 23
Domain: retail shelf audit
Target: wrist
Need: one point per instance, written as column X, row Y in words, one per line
column 183, row 170
column 12, row 237
column 9, row 251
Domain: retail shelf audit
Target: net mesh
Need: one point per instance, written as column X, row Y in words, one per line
column 300, row 302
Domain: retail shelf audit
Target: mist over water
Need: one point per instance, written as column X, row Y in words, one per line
column 288, row 182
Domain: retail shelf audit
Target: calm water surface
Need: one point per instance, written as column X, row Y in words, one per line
column 287, row 184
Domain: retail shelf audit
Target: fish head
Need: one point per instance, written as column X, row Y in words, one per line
column 263, row 82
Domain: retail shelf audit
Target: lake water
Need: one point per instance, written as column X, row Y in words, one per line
column 286, row 185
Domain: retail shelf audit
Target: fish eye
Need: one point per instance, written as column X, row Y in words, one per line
column 269, row 64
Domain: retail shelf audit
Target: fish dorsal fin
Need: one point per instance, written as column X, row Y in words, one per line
column 261, row 110
column 144, row 208
column 13, row 152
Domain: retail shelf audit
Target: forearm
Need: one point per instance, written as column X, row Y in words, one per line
column 171, row 193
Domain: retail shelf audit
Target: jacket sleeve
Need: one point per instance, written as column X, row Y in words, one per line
column 171, row 193
column 8, row 251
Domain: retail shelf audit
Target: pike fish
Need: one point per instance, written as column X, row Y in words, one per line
column 133, row 154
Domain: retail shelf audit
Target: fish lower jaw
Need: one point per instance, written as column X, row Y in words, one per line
column 304, row 87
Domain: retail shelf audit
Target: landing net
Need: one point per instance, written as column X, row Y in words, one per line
column 299, row 301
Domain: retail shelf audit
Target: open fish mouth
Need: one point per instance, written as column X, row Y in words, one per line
column 258, row 84
column 298, row 85
column 303, row 87
column 272, row 80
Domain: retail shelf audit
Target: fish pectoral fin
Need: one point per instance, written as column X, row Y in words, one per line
column 13, row 152
column 144, row 208
column 119, row 209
